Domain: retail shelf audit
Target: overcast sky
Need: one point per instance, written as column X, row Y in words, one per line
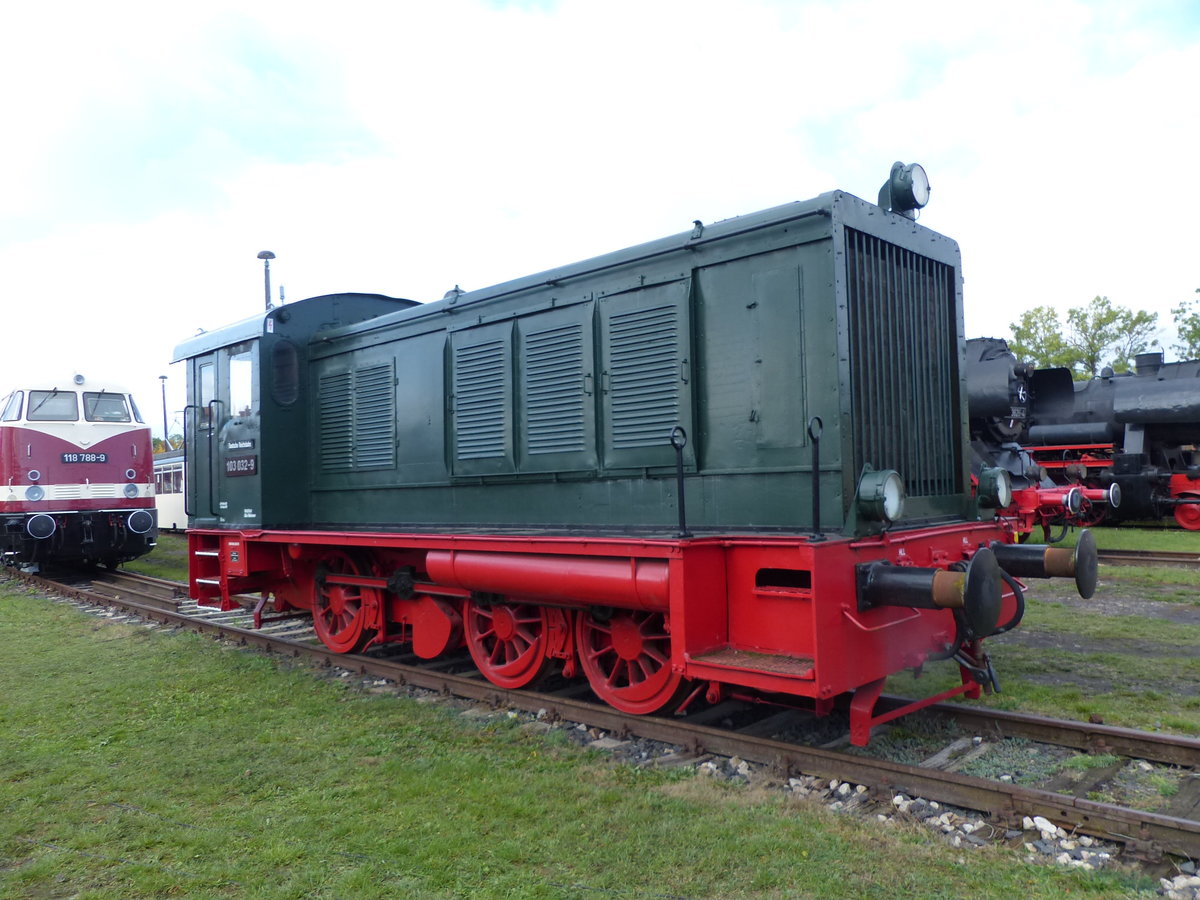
column 152, row 150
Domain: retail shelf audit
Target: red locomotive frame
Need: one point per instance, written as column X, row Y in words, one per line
column 718, row 615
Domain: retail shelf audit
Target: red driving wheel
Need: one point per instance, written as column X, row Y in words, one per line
column 508, row 641
column 627, row 660
column 344, row 616
column 1188, row 515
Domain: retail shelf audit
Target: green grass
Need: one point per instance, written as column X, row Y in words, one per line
column 168, row 560
column 1085, row 762
column 1069, row 619
column 1167, row 787
column 143, row 763
column 1169, row 584
column 1130, row 687
column 1171, row 540
column 1075, row 661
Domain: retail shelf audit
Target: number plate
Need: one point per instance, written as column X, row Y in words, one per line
column 85, row 457
column 236, row 466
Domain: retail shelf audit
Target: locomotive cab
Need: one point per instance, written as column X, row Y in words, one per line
column 230, row 424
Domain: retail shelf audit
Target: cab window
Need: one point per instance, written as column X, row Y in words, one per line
column 101, row 406
column 53, row 406
column 208, row 390
column 12, row 407
column 242, row 400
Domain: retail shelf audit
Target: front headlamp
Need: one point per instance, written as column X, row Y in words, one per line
column 881, row 496
column 995, row 488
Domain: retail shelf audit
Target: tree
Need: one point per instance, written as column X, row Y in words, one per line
column 1097, row 335
column 161, row 446
column 1038, row 339
column 1187, row 323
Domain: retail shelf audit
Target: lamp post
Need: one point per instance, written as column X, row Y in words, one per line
column 166, row 433
column 266, row 256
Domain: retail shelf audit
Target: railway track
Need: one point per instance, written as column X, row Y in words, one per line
column 1150, row 558
column 752, row 731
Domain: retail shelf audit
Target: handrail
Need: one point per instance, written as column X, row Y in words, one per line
column 187, row 510
column 212, row 455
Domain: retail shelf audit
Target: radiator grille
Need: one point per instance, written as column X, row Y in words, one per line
column 904, row 365
column 83, row 491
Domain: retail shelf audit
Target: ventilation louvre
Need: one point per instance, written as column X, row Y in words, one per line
column 554, row 398
column 480, row 386
column 357, row 412
column 644, row 367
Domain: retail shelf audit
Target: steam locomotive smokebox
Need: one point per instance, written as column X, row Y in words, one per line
column 992, row 383
column 1054, row 390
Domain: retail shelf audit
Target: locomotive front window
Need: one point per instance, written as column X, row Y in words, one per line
column 53, row 406
column 137, row 415
column 101, row 406
column 12, row 406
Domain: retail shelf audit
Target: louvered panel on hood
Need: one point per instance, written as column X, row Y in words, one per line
column 644, row 360
column 554, row 399
column 374, row 418
column 334, row 394
column 480, row 387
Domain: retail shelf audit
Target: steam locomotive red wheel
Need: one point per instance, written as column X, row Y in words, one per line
column 343, row 615
column 627, row 660
column 508, row 641
column 1188, row 516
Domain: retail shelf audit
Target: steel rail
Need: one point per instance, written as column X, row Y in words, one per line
column 1086, row 736
column 157, row 592
column 1149, row 558
column 1142, row 832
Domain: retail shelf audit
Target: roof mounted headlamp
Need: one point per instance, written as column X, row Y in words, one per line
column 906, row 190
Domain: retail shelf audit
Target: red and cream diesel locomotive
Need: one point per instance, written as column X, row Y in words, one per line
column 78, row 474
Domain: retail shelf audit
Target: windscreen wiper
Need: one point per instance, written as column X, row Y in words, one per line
column 44, row 401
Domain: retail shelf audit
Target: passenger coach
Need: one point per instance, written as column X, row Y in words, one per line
column 733, row 460
column 168, row 490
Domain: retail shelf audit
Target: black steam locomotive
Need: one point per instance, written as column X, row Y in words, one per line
column 1127, row 441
